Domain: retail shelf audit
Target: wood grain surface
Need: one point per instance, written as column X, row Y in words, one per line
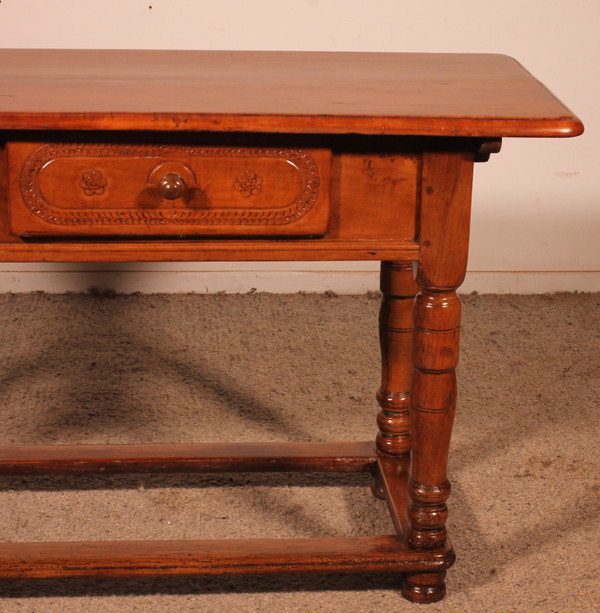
column 296, row 92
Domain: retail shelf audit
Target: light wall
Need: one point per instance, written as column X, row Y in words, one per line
column 536, row 214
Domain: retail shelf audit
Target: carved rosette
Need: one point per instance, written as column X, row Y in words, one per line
column 249, row 182
column 92, row 183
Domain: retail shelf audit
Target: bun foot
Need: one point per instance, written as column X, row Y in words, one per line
column 424, row 588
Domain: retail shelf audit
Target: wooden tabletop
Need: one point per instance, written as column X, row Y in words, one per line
column 298, row 92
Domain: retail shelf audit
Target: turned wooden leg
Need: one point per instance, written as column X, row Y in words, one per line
column 395, row 336
column 444, row 227
column 435, row 354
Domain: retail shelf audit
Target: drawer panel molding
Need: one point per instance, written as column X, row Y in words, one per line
column 70, row 188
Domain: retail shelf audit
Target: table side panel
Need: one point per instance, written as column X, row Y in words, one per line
column 373, row 202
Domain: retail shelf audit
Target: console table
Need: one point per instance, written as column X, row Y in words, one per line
column 112, row 156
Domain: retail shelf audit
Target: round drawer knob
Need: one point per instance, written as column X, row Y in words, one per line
column 171, row 186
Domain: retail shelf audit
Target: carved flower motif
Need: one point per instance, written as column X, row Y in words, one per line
column 249, row 183
column 93, row 183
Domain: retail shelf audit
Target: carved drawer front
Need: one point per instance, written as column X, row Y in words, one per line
column 59, row 189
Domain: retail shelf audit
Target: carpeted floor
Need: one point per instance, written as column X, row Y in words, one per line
column 525, row 458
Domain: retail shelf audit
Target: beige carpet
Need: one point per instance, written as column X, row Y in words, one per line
column 525, row 458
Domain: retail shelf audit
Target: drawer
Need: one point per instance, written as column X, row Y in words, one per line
column 83, row 189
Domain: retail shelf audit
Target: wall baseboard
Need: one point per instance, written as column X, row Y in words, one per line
column 276, row 277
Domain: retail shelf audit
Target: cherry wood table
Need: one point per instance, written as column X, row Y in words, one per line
column 199, row 156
